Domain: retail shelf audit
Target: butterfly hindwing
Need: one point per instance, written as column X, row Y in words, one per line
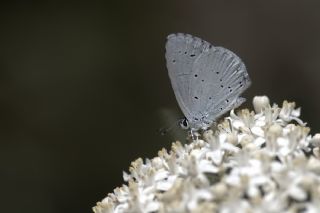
column 222, row 77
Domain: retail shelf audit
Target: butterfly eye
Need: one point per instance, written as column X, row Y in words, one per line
column 184, row 123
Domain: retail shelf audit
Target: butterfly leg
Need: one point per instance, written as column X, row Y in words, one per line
column 194, row 134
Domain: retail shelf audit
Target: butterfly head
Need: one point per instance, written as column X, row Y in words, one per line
column 184, row 123
column 195, row 125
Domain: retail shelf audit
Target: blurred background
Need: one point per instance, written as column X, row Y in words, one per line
column 84, row 86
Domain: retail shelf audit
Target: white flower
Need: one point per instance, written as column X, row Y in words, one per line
column 260, row 103
column 261, row 161
column 288, row 113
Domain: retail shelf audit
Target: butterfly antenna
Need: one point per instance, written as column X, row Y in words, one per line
column 163, row 131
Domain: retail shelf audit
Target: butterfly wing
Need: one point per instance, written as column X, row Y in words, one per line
column 182, row 50
column 221, row 78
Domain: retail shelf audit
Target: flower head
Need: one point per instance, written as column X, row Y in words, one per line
column 255, row 161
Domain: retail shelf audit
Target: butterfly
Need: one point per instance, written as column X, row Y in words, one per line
column 207, row 81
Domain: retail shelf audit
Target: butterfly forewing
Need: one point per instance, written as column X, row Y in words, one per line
column 181, row 52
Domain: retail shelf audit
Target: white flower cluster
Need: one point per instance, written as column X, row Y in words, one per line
column 263, row 161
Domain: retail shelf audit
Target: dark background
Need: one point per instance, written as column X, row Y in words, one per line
column 84, row 87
